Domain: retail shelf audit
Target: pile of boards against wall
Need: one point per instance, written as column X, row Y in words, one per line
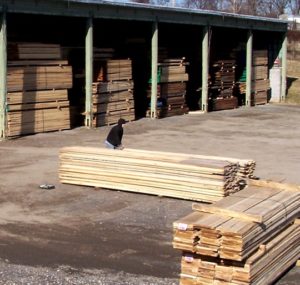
column 222, row 85
column 112, row 89
column 260, row 81
column 171, row 88
column 38, row 80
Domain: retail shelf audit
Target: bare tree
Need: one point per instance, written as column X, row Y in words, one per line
column 294, row 6
column 272, row 8
column 236, row 6
column 201, row 4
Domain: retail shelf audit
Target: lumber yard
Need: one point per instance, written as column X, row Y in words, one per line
column 195, row 197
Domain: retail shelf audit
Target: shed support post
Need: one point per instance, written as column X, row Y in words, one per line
column 249, row 68
column 154, row 59
column 3, row 74
column 89, row 73
column 205, row 66
column 283, row 68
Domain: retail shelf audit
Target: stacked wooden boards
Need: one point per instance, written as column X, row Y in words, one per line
column 222, row 85
column 260, row 75
column 37, row 89
column 246, row 238
column 172, row 87
column 112, row 90
column 183, row 176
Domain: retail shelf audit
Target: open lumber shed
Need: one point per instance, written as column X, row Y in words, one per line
column 72, row 63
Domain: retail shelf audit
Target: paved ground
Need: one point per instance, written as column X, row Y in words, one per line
column 79, row 235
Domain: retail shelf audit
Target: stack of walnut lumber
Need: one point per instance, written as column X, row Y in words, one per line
column 183, row 176
column 247, row 238
column 260, row 81
column 172, row 87
column 37, row 89
column 222, row 85
column 113, row 92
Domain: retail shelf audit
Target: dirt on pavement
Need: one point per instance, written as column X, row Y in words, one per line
column 83, row 235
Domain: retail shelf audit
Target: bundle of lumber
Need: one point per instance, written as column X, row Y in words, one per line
column 102, row 54
column 37, row 89
column 235, row 226
column 222, row 83
column 113, row 92
column 172, row 82
column 223, row 103
column 260, row 57
column 173, row 70
column 38, row 77
column 242, row 238
column 183, row 176
column 259, row 97
column 114, row 70
column 260, row 75
column 246, row 167
column 262, row 267
column 24, row 51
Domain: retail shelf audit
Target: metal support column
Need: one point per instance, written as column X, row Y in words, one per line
column 89, row 73
column 205, row 64
column 249, row 68
column 283, row 68
column 154, row 58
column 3, row 74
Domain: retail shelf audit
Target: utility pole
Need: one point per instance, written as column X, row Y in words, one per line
column 173, row 3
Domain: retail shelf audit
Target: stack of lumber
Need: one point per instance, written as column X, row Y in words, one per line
column 39, row 51
column 37, row 89
column 113, row 92
column 242, row 239
column 222, row 85
column 101, row 54
column 172, row 82
column 260, row 81
column 164, row 174
column 246, row 167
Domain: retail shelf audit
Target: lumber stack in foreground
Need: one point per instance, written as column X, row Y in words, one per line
column 182, row 176
column 246, row 238
column 263, row 267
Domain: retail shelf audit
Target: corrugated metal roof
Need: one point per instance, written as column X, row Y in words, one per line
column 103, row 9
column 177, row 9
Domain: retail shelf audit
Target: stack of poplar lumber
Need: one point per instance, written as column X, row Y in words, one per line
column 113, row 92
column 172, row 84
column 164, row 174
column 37, row 89
column 260, row 81
column 250, row 237
column 222, row 85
